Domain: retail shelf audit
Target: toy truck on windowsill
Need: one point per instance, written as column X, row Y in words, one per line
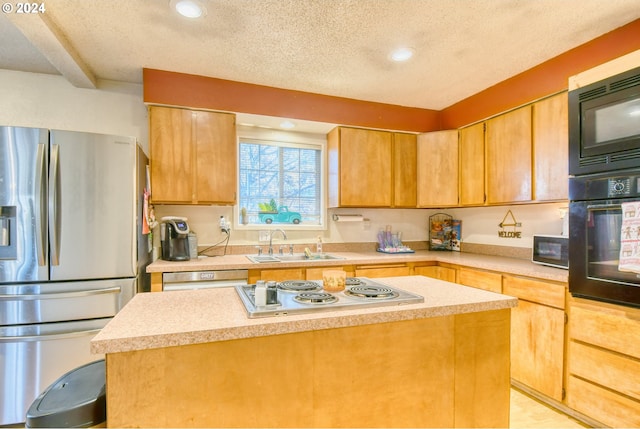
column 282, row 215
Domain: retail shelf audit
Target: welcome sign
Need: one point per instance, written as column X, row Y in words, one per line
column 508, row 226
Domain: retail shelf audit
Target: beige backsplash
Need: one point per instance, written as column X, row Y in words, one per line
column 480, row 226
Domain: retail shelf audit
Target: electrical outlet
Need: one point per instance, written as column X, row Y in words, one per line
column 264, row 236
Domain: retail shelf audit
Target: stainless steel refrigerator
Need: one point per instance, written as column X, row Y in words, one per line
column 71, row 252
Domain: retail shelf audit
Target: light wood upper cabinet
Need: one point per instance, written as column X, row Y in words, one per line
column 193, row 156
column 171, row 158
column 360, row 167
column 438, row 169
column 508, row 155
column 551, row 148
column 471, row 166
column 404, row 170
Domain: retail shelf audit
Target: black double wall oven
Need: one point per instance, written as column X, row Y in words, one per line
column 604, row 186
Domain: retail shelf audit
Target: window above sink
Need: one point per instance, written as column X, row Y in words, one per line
column 281, row 180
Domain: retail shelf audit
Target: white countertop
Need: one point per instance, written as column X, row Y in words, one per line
column 153, row 320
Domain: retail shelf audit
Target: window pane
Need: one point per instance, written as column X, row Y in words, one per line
column 276, row 174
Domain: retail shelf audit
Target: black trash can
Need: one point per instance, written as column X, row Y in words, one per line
column 75, row 400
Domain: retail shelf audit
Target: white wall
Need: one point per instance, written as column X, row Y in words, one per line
column 37, row 100
column 47, row 101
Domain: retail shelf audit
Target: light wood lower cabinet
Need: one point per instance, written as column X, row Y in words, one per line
column 315, row 273
column 486, row 280
column 390, row 270
column 436, row 272
column 604, row 362
column 537, row 334
column 277, row 274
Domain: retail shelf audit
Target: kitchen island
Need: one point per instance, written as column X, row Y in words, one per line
column 194, row 359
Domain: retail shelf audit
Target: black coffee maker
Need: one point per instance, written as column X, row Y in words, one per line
column 174, row 239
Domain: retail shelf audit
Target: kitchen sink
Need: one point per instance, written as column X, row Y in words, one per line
column 303, row 257
column 292, row 258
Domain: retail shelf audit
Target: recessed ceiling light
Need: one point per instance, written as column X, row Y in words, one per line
column 402, row 54
column 189, row 8
column 287, row 125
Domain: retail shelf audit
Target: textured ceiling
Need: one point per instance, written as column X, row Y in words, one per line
column 333, row 47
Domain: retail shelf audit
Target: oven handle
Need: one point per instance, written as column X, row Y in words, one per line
column 45, row 337
column 59, row 295
column 604, row 207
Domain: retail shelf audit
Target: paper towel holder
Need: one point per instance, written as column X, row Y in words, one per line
column 348, row 218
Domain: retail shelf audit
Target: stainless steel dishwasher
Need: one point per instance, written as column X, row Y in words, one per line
column 204, row 279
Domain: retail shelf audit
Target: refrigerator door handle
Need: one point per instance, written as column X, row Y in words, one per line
column 41, row 203
column 60, row 295
column 44, row 337
column 54, row 204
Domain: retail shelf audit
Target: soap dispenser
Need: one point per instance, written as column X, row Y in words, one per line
column 319, row 245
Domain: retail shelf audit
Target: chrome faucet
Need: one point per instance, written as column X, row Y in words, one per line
column 284, row 236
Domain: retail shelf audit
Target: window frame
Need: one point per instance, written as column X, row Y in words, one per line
column 292, row 139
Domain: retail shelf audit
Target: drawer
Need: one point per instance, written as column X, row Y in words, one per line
column 551, row 294
column 608, row 326
column 279, row 275
column 611, row 370
column 437, row 272
column 481, row 279
column 602, row 405
column 316, row 272
column 391, row 270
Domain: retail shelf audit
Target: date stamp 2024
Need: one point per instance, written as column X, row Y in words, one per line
column 23, row 8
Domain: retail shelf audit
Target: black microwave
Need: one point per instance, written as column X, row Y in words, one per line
column 552, row 250
column 604, row 125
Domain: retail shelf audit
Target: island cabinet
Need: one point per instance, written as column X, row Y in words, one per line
column 196, row 360
column 471, row 166
column 508, row 157
column 604, row 362
column 438, row 169
column 538, row 334
column 193, row 156
column 551, row 148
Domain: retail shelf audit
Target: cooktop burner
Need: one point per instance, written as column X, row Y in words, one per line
column 371, row 292
column 299, row 285
column 353, row 281
column 315, row 298
column 303, row 296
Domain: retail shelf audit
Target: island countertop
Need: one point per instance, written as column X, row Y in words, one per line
column 155, row 320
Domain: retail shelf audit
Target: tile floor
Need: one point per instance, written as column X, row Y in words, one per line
column 527, row 412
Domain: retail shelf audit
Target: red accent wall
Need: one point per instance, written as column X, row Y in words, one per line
column 179, row 89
